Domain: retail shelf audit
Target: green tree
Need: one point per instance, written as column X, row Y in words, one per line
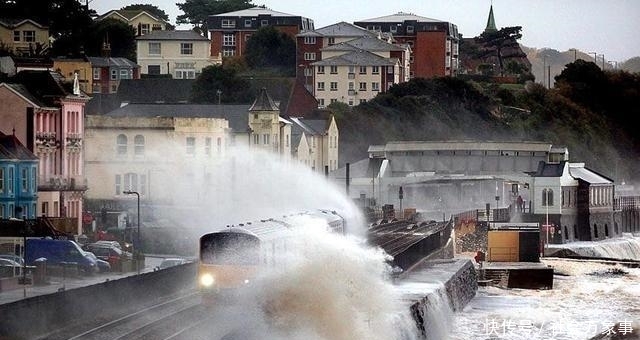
column 153, row 10
column 120, row 35
column 196, row 12
column 270, row 48
column 502, row 44
column 583, row 82
column 233, row 89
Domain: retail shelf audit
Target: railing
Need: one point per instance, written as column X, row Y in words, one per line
column 47, row 140
column 59, row 183
column 626, row 203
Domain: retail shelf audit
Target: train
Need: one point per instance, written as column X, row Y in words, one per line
column 231, row 258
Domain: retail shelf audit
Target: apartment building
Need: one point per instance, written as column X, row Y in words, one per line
column 141, row 21
column 181, row 53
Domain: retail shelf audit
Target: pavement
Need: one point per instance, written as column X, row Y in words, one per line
column 56, row 283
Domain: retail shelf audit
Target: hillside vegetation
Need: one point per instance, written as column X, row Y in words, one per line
column 589, row 111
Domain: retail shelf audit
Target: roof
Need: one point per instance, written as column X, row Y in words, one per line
column 400, row 17
column 22, row 91
column 341, row 29
column 155, row 90
column 44, row 85
column 367, row 43
column 357, row 58
column 235, row 114
column 129, row 14
column 467, row 145
column 109, row 62
column 11, row 148
column 173, row 35
column 254, row 11
column 264, row 102
column 12, row 23
column 579, row 171
column 491, row 22
column 550, row 169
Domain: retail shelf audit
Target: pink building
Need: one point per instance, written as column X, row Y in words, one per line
column 46, row 112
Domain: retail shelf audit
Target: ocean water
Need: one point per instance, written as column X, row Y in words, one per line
column 587, row 299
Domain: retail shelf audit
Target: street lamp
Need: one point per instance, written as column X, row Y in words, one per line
column 219, row 92
column 129, row 192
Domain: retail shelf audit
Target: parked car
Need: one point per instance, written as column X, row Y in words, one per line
column 109, row 253
column 108, row 243
column 58, row 252
column 10, row 268
column 16, row 258
column 103, row 266
column 171, row 261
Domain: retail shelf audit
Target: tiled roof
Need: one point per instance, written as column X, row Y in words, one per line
column 172, row 35
column 128, row 14
column 264, row 102
column 550, row 169
column 11, row 148
column 255, row 11
column 42, row 85
column 365, row 43
column 357, row 58
column 400, row 17
column 22, row 91
column 344, row 29
column 107, row 62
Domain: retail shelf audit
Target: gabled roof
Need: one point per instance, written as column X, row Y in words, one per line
column 579, row 171
column 400, row 17
column 22, row 92
column 254, row 11
column 342, row 29
column 357, row 58
column 367, row 43
column 309, row 126
column 264, row 102
column 108, row 62
column 178, row 35
column 13, row 23
column 129, row 15
column 11, row 148
column 44, row 85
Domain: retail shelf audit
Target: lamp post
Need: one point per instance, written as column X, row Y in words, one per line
column 219, row 92
column 129, row 192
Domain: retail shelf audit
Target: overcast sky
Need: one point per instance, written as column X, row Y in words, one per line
column 608, row 27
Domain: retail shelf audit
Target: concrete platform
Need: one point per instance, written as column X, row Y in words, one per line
column 526, row 275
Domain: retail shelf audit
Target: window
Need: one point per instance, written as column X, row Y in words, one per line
column 138, row 145
column 29, row 36
column 121, row 144
column 320, row 69
column 96, row 73
column 264, row 22
column 334, row 86
column 393, row 28
column 125, row 74
column 265, row 139
column 144, row 29
column 114, row 74
column 1, row 180
column 247, row 22
column 228, row 52
column 191, row 145
column 218, row 145
column 333, row 100
column 375, row 69
column 153, row 69
column 186, row 48
column 363, row 70
column 118, row 184
column 375, row 86
column 320, row 86
column 228, row 23
column 256, row 139
column 363, row 86
column 390, row 69
column 309, row 40
column 309, row 56
column 156, row 27
column 16, row 36
column 286, row 143
column 228, row 39
column 547, row 197
column 352, row 69
column 154, row 48
column 351, row 86
column 247, row 37
column 332, row 41
column 25, row 180
column 307, row 72
column 185, row 74
column 409, row 29
column 350, row 101
column 362, row 101
column 207, row 146
column 334, row 70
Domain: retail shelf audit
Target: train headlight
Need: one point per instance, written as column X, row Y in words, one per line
column 207, row 280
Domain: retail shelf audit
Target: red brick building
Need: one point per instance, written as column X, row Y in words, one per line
column 230, row 31
column 434, row 43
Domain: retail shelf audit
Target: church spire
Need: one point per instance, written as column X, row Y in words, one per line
column 491, row 22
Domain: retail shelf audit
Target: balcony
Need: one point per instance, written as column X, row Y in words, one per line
column 47, row 141
column 59, row 183
column 74, row 142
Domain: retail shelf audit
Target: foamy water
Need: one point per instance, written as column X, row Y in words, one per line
column 580, row 306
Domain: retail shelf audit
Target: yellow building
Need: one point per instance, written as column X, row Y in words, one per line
column 68, row 66
column 24, row 37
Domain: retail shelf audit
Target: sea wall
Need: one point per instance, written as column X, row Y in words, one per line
column 626, row 247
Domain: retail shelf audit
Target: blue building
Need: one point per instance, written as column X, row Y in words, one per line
column 18, row 179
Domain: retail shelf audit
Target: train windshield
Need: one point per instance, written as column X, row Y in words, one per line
column 230, row 248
